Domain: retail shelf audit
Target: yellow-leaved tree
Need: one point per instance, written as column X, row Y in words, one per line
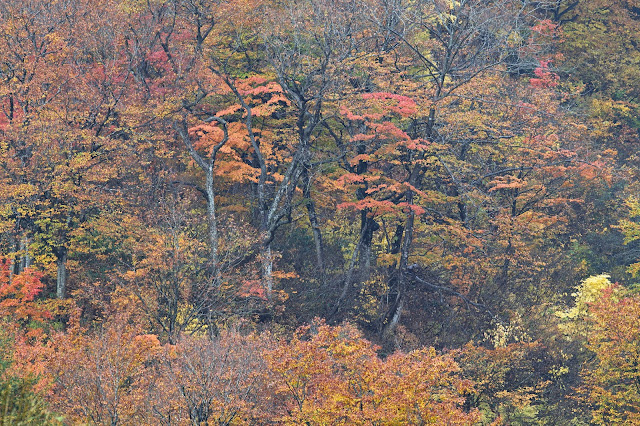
column 606, row 318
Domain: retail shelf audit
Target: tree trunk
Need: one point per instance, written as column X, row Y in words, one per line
column 213, row 225
column 207, row 165
column 395, row 319
column 361, row 256
column 14, row 269
column 25, row 259
column 61, row 279
column 313, row 221
column 267, row 270
column 405, row 251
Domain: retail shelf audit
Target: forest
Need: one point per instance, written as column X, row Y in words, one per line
column 319, row 212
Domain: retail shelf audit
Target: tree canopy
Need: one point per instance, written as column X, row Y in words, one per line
column 319, row 211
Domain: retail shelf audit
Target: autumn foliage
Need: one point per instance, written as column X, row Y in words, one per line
column 319, row 211
column 323, row 375
column 610, row 381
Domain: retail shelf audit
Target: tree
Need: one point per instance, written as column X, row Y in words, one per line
column 218, row 380
column 631, row 230
column 611, row 331
column 331, row 374
column 103, row 376
column 23, row 322
column 60, row 142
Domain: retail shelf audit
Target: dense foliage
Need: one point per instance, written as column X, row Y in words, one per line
column 319, row 212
